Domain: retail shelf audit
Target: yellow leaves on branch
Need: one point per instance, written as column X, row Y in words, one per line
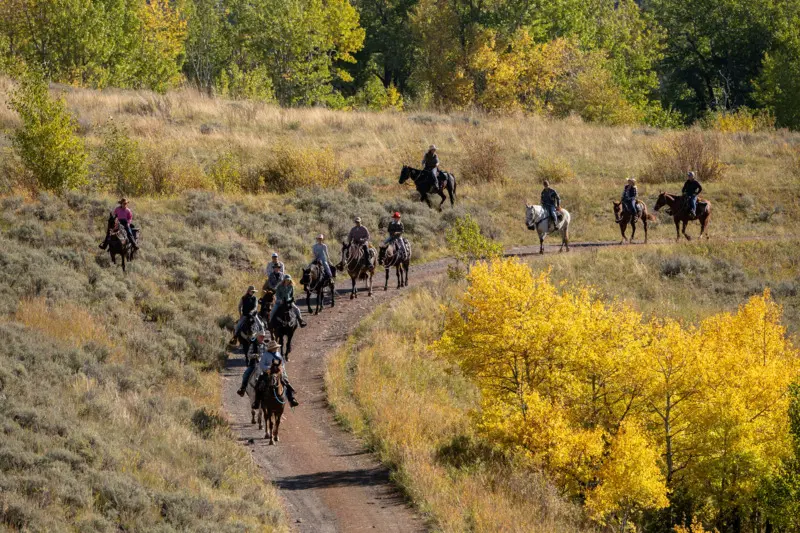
column 618, row 410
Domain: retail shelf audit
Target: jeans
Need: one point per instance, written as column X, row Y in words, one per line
column 278, row 303
column 128, row 232
column 326, row 267
column 630, row 206
column 246, row 376
column 691, row 204
column 551, row 210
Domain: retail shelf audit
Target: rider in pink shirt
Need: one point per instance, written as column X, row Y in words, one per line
column 124, row 216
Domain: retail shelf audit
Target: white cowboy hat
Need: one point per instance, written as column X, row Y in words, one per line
column 320, row 237
column 432, row 147
column 250, row 288
column 358, row 219
column 272, row 346
column 632, row 179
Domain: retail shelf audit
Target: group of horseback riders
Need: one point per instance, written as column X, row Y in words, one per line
column 691, row 190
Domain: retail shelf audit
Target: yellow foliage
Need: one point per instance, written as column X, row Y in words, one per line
column 629, row 478
column 597, row 397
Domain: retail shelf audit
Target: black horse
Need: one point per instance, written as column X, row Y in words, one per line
column 314, row 282
column 118, row 242
column 265, row 304
column 283, row 326
column 247, row 334
column 427, row 184
column 390, row 256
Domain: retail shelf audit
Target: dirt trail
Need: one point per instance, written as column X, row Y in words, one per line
column 327, row 479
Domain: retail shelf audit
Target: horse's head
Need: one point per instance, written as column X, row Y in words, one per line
column 305, row 279
column 662, row 200
column 405, row 173
column 617, row 209
column 382, row 252
column 530, row 215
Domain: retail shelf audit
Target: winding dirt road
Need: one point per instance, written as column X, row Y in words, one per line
column 328, row 480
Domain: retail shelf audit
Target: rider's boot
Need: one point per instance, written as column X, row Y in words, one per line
column 290, row 395
column 240, row 392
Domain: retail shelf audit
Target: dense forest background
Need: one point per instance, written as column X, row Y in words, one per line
column 661, row 62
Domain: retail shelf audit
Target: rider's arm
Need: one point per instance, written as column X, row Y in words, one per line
column 699, row 188
column 557, row 199
column 241, row 304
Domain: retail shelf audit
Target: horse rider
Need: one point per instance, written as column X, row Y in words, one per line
column 430, row 163
column 396, row 230
column 124, row 215
column 691, row 189
column 274, row 263
column 269, row 355
column 285, row 294
column 551, row 202
column 630, row 195
column 247, row 306
column 359, row 235
column 320, row 252
column 275, row 277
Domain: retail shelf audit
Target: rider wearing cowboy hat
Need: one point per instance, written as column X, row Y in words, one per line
column 395, row 230
column 359, row 235
column 629, row 197
column 551, row 201
column 691, row 189
column 320, row 252
column 269, row 355
column 430, row 163
column 124, row 216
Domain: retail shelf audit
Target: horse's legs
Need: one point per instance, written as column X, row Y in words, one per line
column 677, row 229
column 644, row 222
column 444, row 199
column 333, row 294
column 260, row 418
column 288, row 344
column 684, row 230
column 399, row 271
column 386, row 283
column 277, row 426
column 253, row 416
column 123, row 260
column 353, row 293
column 541, row 244
column 424, row 198
column 369, row 280
column 703, row 225
column 633, row 230
column 308, row 301
column 623, row 227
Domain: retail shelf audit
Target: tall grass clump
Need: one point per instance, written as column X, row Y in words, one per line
column 679, row 153
column 52, row 153
column 484, row 160
column 292, row 167
column 121, row 165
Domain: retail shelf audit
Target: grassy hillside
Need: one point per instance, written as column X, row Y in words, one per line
column 109, row 390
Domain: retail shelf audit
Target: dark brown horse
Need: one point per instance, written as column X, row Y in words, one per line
column 623, row 218
column 391, row 256
column 353, row 262
column 118, row 243
column 271, row 395
column 314, row 282
column 676, row 207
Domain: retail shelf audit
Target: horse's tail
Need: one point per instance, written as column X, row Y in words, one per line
column 452, row 177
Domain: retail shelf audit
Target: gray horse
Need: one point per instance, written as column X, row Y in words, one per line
column 537, row 218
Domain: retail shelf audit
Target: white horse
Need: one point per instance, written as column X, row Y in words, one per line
column 537, row 217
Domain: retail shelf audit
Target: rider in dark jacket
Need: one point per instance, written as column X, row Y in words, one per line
column 551, row 201
column 691, row 189
column 247, row 305
column 629, row 196
column 395, row 230
column 430, row 163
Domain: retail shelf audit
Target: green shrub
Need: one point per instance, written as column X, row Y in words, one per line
column 121, row 163
column 226, row 173
column 743, row 120
column 47, row 142
column 467, row 244
column 375, row 97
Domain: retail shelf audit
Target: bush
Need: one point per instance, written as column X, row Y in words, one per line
column 47, row 142
column 483, row 161
column 375, row 97
column 693, row 150
column 743, row 120
column 467, row 243
column 290, row 168
column 121, row 163
column 555, row 170
column 226, row 173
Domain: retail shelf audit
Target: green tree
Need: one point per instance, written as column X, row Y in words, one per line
column 47, row 141
column 468, row 244
column 121, row 162
column 209, row 42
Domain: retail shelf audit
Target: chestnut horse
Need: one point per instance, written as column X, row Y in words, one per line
column 623, row 218
column 676, row 208
column 271, row 395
